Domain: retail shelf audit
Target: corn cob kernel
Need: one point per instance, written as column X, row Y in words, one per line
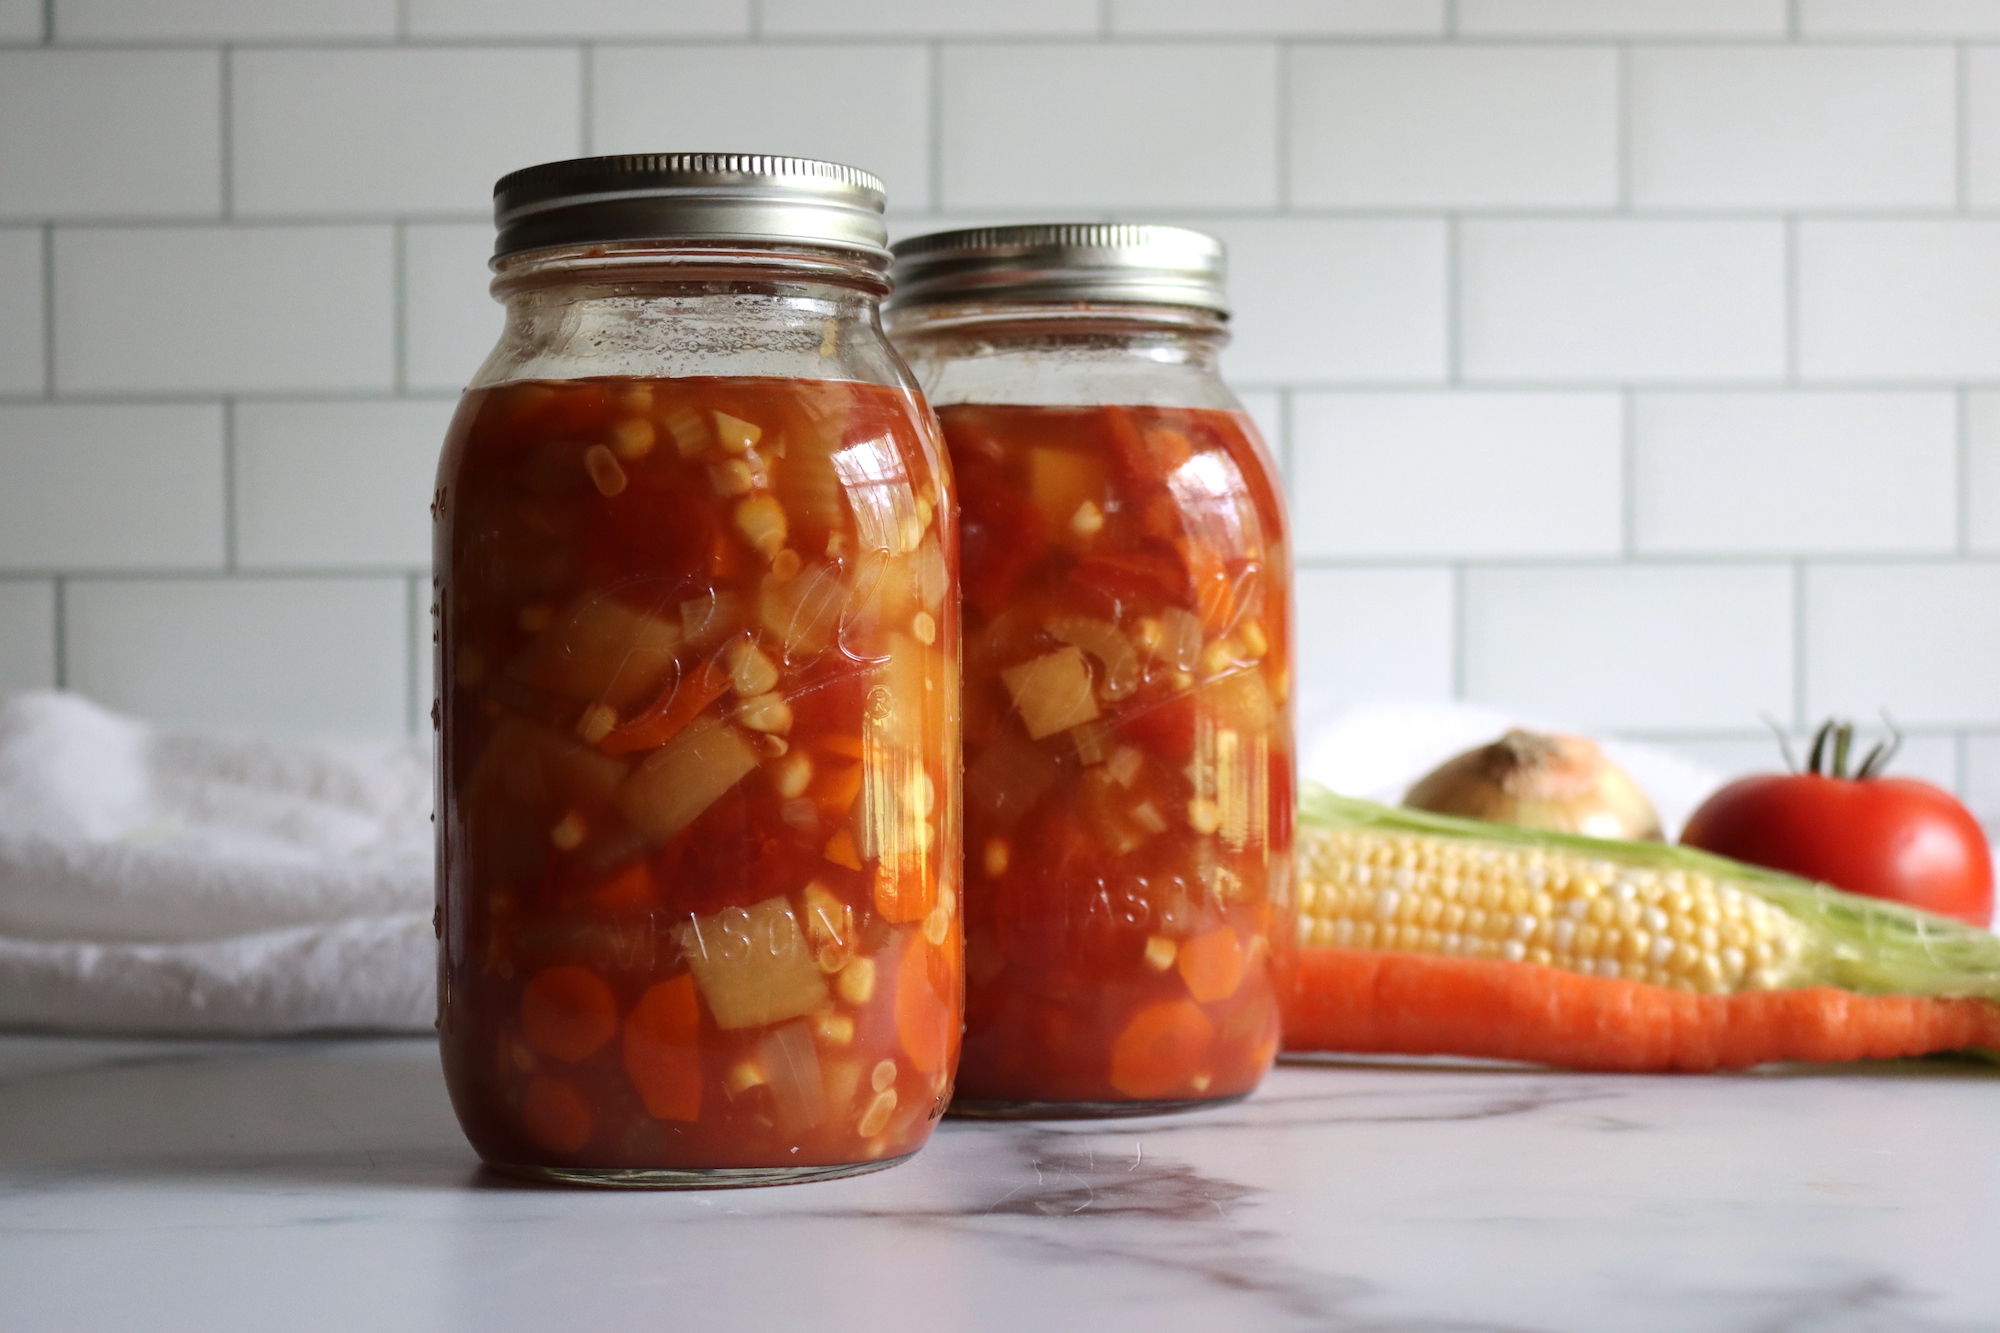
column 1364, row 889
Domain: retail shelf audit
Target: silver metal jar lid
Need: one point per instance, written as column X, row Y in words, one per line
column 746, row 197
column 1061, row 262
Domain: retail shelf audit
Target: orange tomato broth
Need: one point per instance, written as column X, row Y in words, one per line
column 689, row 756
column 1128, row 832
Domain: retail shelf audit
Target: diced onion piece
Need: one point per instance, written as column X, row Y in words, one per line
column 1102, row 640
column 1125, row 763
column 753, row 965
column 736, row 434
column 803, row 611
column 1052, row 692
column 706, row 619
column 600, row 651
column 679, row 781
column 689, row 432
column 1180, row 638
column 791, row 1066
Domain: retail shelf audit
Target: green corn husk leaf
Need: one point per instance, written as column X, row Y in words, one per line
column 1859, row 944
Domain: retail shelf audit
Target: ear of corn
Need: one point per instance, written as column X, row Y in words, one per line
column 1373, row 877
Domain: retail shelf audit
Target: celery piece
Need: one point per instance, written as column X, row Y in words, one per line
column 599, row 650
column 682, row 778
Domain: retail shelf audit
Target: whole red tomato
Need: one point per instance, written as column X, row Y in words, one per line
column 1894, row 838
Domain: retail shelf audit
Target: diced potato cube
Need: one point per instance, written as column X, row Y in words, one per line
column 684, row 777
column 599, row 650
column 753, row 966
column 706, row 619
column 1052, row 692
column 1102, row 640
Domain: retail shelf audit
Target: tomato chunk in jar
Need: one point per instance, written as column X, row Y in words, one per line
column 1128, row 767
column 699, row 858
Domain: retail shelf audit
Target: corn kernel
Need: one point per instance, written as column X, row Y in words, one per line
column 632, row 439
column 732, row 476
column 605, row 474
column 876, row 1117
column 735, row 434
column 994, row 859
column 761, row 520
column 793, row 776
column 923, row 627
column 786, row 564
column 596, row 723
column 857, row 981
column 1161, row 952
column 765, row 712
column 743, row 1076
column 937, row 926
column 833, row 1029
column 1088, row 520
column 1204, row 815
column 568, row 832
column 883, row 1075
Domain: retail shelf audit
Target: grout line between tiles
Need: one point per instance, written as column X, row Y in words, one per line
column 1962, row 409
column 62, row 632
column 227, row 166
column 48, row 22
column 229, row 485
column 48, row 310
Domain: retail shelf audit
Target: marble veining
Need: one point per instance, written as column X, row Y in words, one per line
column 323, row 1184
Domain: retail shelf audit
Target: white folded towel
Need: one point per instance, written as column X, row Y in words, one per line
column 160, row 881
column 168, row 882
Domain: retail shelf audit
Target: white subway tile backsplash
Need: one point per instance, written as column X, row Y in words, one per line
column 23, row 353
column 1266, row 408
column 110, row 487
column 1637, row 647
column 927, row 18
column 222, row 20
column 1280, row 18
column 336, row 485
column 216, row 309
column 1109, row 126
column 1932, row 758
column 1770, row 473
column 1374, row 634
column 1982, row 125
column 579, row 18
column 1899, row 299
column 110, row 133
column 1621, row 18
column 1919, row 640
column 1335, row 299
column 293, row 655
column 1793, row 127
column 864, row 105
column 1456, row 476
column 1982, row 479
column 436, row 128
column 1899, row 18
column 20, row 21
column 27, row 634
column 1617, row 299
column 450, row 319
column 1981, row 786
column 1453, row 127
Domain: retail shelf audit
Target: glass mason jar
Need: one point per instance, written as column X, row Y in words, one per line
column 1129, row 773
column 697, row 670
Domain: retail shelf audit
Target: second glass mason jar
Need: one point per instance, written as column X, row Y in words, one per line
column 1128, row 750
column 697, row 665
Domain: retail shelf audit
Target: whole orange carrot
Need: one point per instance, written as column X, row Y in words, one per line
column 1366, row 1000
column 1425, row 934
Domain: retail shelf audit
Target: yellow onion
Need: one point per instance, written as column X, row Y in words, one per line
column 1563, row 784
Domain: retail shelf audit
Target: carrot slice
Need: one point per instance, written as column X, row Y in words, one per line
column 556, row 1115
column 1366, row 1000
column 923, row 1014
column 663, row 719
column 567, row 1012
column 662, row 1051
column 1211, row 964
column 1161, row 1050
column 628, row 891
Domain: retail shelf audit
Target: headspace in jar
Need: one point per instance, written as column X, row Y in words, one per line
column 698, row 661
column 1129, row 773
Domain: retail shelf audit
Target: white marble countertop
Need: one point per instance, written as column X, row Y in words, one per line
column 323, row 1185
